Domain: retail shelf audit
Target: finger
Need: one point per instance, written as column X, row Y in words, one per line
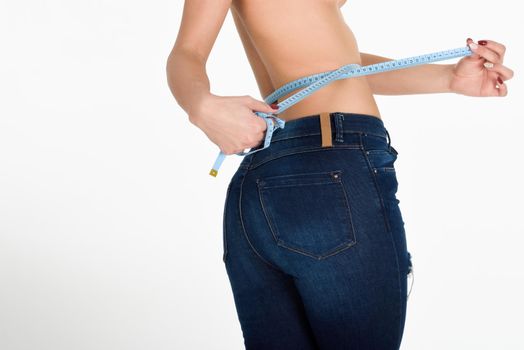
column 499, row 48
column 504, row 72
column 485, row 52
column 256, row 124
column 479, row 51
column 259, row 106
column 260, row 123
column 474, row 55
column 502, row 89
column 497, row 87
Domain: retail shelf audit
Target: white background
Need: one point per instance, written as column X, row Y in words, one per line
column 111, row 227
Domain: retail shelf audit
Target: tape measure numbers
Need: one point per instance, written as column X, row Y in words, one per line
column 315, row 82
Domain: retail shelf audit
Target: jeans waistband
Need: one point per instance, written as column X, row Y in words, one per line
column 341, row 122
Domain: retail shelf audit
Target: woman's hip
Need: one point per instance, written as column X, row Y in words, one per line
column 316, row 200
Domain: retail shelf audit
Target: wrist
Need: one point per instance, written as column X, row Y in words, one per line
column 199, row 109
column 447, row 77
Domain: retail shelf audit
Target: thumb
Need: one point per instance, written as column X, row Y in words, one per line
column 473, row 46
column 260, row 106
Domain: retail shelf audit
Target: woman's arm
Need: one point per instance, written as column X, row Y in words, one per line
column 185, row 68
column 470, row 76
column 421, row 79
column 228, row 121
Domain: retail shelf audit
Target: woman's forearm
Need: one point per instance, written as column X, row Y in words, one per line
column 420, row 79
column 187, row 80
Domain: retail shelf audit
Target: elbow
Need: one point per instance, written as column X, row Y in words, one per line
column 169, row 63
column 170, row 74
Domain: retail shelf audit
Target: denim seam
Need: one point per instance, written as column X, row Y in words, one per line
column 365, row 132
column 372, row 169
column 399, row 289
column 315, row 149
column 388, row 151
column 224, row 218
column 300, row 184
column 244, row 228
column 390, row 234
column 338, row 249
column 382, row 136
column 348, row 205
column 345, row 131
column 308, row 174
column 276, row 139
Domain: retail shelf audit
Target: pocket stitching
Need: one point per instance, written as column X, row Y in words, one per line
column 350, row 239
column 266, row 214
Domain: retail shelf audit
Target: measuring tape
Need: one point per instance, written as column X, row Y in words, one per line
column 317, row 81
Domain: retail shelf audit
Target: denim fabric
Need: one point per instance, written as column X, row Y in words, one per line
column 314, row 241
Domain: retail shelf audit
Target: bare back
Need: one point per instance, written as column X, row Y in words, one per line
column 288, row 39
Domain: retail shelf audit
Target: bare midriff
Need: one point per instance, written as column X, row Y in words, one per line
column 288, row 39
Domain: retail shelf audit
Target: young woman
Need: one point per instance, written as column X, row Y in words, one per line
column 314, row 241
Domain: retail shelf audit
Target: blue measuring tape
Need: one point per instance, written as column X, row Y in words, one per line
column 317, row 81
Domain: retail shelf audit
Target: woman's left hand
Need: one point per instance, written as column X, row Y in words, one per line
column 481, row 73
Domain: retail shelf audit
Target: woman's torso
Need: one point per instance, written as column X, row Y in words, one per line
column 287, row 39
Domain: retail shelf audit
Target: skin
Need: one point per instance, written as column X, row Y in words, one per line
column 325, row 43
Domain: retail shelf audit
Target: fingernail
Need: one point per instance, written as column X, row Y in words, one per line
column 488, row 64
column 500, row 80
column 482, row 42
column 469, row 39
column 473, row 46
column 274, row 105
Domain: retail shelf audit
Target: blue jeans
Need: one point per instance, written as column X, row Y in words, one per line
column 314, row 242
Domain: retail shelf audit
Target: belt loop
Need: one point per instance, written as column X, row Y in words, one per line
column 389, row 138
column 339, row 137
column 325, row 129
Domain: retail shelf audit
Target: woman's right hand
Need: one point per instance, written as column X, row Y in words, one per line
column 230, row 121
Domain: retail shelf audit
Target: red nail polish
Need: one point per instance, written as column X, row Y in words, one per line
column 482, row 42
column 274, row 105
column 500, row 80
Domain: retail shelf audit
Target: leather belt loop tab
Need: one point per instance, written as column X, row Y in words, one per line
column 325, row 129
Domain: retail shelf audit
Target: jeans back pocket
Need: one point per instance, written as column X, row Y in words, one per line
column 308, row 213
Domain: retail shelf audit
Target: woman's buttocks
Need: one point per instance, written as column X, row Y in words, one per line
column 296, row 38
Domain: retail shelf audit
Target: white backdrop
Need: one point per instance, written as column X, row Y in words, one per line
column 111, row 227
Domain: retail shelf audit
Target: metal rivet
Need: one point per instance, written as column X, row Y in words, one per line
column 375, row 170
column 335, row 176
